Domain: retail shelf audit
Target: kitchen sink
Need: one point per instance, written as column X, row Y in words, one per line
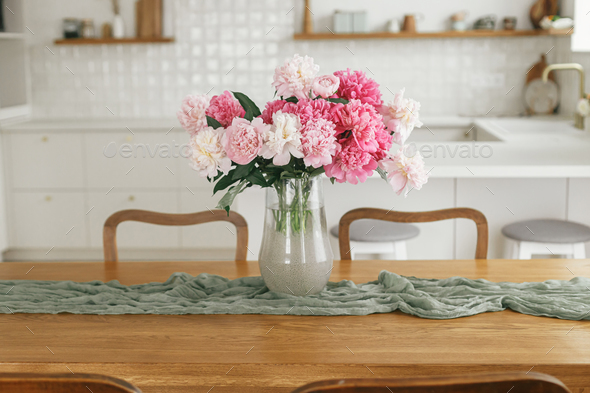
column 439, row 133
column 544, row 126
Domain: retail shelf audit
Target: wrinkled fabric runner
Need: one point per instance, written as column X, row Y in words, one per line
column 210, row 294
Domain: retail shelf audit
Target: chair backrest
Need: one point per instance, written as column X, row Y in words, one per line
column 481, row 223
column 109, row 235
column 63, row 383
column 480, row 383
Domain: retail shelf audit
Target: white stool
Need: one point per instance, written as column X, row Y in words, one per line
column 545, row 237
column 385, row 239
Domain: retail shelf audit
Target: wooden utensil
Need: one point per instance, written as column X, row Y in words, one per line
column 409, row 25
column 536, row 72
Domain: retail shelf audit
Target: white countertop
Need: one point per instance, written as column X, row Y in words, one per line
column 528, row 154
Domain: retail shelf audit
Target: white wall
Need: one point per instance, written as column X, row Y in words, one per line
column 236, row 44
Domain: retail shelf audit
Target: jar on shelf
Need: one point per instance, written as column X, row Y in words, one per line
column 88, row 28
column 71, row 28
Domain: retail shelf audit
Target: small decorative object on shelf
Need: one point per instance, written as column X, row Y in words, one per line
column 393, row 26
column 509, row 23
column 485, row 23
column 409, row 25
column 556, row 22
column 71, row 28
column 335, row 124
column 342, row 22
column 542, row 8
column 107, row 30
column 458, row 21
column 118, row 23
column 87, row 28
column 148, row 18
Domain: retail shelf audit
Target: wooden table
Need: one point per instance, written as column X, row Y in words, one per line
column 265, row 353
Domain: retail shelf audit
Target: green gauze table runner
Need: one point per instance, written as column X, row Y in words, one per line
column 210, row 294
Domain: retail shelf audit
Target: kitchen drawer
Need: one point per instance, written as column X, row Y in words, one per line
column 133, row 234
column 46, row 160
column 45, row 220
column 121, row 159
column 209, row 235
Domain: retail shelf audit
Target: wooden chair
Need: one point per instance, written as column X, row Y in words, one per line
column 63, row 383
column 480, row 383
column 481, row 250
column 109, row 235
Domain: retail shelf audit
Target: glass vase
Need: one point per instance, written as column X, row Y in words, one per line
column 295, row 255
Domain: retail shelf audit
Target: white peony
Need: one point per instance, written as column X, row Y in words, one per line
column 283, row 139
column 207, row 153
column 295, row 77
column 583, row 107
column 401, row 116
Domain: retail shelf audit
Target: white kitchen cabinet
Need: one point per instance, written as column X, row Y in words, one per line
column 504, row 201
column 45, row 160
column 214, row 235
column 133, row 235
column 578, row 203
column 124, row 160
column 48, row 219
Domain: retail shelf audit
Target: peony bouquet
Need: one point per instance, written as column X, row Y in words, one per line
column 334, row 124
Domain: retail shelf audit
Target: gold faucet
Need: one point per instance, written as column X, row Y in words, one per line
column 578, row 119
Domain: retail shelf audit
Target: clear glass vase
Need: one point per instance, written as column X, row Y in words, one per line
column 296, row 256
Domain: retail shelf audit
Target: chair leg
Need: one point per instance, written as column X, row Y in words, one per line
column 400, row 251
column 515, row 249
column 524, row 251
column 579, row 251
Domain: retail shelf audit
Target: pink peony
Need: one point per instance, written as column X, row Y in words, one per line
column 224, row 108
column 309, row 109
column 403, row 170
column 318, row 142
column 356, row 85
column 362, row 120
column 351, row 164
column 271, row 108
column 385, row 141
column 243, row 139
column 401, row 116
column 192, row 113
column 325, row 85
column 295, row 77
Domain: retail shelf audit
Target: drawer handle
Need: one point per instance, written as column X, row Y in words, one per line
column 48, row 198
column 131, row 198
column 44, row 139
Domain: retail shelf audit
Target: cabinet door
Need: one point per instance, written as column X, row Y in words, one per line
column 134, row 235
column 46, row 160
column 213, row 235
column 123, row 160
column 436, row 240
column 45, row 220
column 504, row 201
column 578, row 205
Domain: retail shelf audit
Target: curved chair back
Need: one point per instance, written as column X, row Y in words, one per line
column 481, row 223
column 109, row 234
column 480, row 383
column 63, row 383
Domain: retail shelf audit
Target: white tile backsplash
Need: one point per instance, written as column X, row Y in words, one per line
column 235, row 45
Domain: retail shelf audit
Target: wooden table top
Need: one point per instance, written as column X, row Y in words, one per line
column 261, row 353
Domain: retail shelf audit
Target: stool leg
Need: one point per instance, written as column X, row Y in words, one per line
column 400, row 251
column 579, row 251
column 515, row 249
column 524, row 251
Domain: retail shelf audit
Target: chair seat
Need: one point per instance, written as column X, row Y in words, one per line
column 368, row 230
column 547, row 231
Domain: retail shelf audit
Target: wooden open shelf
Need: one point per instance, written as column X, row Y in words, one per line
column 113, row 41
column 440, row 34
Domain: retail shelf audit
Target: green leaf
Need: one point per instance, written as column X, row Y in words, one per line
column 332, row 179
column 242, row 171
column 224, row 182
column 257, row 178
column 226, row 201
column 292, row 99
column 337, row 100
column 382, row 173
column 249, row 106
column 211, row 122
column 288, row 175
column 317, row 171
